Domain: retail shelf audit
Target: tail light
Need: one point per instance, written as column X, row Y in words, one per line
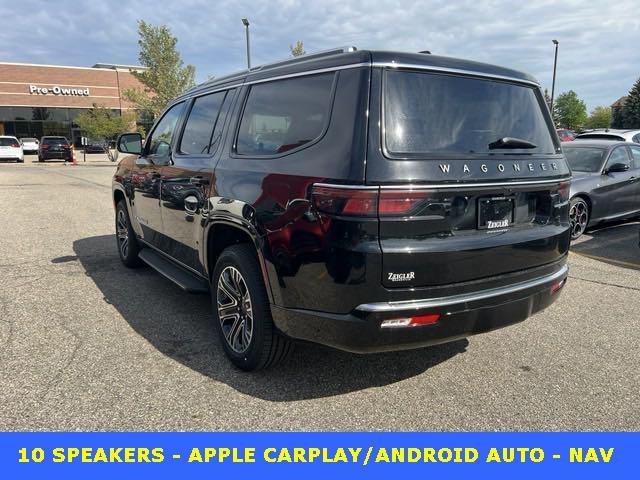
column 367, row 202
column 15, row 145
column 400, row 202
column 44, row 145
column 345, row 201
column 65, row 145
column 563, row 191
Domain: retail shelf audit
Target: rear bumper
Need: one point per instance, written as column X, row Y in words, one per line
column 460, row 316
column 56, row 155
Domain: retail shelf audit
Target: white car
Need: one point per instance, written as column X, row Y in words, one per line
column 11, row 149
column 621, row 135
column 30, row 145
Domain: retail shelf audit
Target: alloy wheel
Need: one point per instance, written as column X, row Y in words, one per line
column 234, row 309
column 579, row 218
column 122, row 231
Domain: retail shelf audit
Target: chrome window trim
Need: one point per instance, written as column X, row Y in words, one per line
column 309, row 72
column 440, row 186
column 385, row 307
column 456, row 71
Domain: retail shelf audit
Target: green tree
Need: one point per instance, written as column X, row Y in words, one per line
column 631, row 110
column 600, row 118
column 570, row 111
column 617, row 118
column 103, row 124
column 165, row 77
column 297, row 50
column 547, row 99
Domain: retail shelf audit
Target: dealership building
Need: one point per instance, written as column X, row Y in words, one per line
column 37, row 100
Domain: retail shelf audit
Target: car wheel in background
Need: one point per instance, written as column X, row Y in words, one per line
column 578, row 217
column 128, row 246
column 241, row 311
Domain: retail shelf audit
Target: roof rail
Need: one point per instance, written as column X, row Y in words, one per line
column 301, row 58
column 305, row 57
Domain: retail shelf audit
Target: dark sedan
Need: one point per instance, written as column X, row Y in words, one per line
column 606, row 182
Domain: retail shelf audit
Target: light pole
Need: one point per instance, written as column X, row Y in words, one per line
column 245, row 22
column 553, row 83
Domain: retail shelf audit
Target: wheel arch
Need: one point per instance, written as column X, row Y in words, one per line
column 585, row 196
column 221, row 234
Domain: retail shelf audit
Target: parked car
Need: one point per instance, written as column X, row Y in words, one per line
column 11, row 149
column 606, row 182
column 611, row 134
column 55, row 148
column 94, row 146
column 364, row 200
column 565, row 135
column 30, row 145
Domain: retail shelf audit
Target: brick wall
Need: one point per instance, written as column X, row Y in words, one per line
column 15, row 80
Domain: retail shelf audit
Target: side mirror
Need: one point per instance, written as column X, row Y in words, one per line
column 617, row 167
column 130, row 143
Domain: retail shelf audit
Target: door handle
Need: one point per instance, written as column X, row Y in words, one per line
column 191, row 205
column 199, row 180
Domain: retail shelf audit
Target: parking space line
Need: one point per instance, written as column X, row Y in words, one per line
column 608, row 260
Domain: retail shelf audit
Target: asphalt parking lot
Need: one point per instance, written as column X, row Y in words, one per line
column 88, row 345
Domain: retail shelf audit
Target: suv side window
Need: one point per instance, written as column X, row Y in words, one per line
column 159, row 142
column 619, row 155
column 635, row 154
column 284, row 115
column 198, row 136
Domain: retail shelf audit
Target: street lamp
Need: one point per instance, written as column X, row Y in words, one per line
column 245, row 22
column 553, row 83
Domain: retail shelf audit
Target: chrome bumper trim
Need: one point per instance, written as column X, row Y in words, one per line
column 463, row 298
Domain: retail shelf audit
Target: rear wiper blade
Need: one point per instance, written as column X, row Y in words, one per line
column 511, row 142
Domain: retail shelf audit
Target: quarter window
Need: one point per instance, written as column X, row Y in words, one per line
column 635, row 154
column 198, row 131
column 159, row 143
column 283, row 115
column 619, row 155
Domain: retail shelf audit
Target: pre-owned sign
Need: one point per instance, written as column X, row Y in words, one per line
column 58, row 90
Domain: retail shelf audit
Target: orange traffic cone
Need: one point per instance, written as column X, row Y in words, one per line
column 73, row 156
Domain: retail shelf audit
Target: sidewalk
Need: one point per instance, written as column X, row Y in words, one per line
column 93, row 159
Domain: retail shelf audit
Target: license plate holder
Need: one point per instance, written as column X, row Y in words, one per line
column 495, row 213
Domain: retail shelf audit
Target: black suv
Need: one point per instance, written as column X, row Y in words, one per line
column 55, row 148
column 364, row 200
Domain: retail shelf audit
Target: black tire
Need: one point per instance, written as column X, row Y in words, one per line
column 265, row 346
column 578, row 217
column 128, row 246
column 40, row 159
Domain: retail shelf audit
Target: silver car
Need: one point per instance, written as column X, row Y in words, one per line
column 620, row 135
column 606, row 182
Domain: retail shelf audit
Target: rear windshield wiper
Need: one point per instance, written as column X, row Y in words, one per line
column 511, row 142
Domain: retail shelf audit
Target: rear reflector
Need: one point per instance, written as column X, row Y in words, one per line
column 428, row 319
column 555, row 288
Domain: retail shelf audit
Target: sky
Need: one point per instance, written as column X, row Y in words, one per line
column 599, row 53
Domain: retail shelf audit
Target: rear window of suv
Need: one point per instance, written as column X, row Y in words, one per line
column 55, row 140
column 438, row 114
column 7, row 142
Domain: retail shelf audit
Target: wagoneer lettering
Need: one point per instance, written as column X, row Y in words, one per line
column 439, row 214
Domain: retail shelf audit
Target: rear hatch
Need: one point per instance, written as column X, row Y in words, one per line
column 472, row 180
